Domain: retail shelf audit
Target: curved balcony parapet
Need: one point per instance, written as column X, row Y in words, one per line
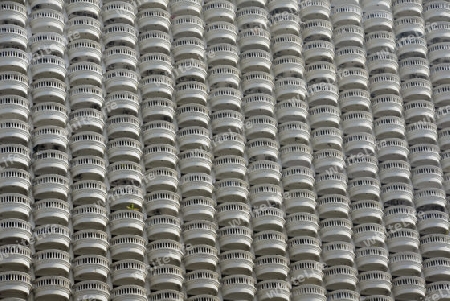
column 338, row 253
column 231, row 188
column 166, row 277
column 169, row 294
column 15, row 180
column 49, row 211
column 163, row 227
column 405, row 263
column 15, row 257
column 122, row 292
column 235, row 237
column 436, row 11
column 90, row 242
column 400, row 214
column 120, row 12
column 154, row 41
column 329, row 137
column 369, row 232
column 347, row 277
column 50, row 262
column 88, row 192
column 90, row 267
column 202, row 257
column 89, row 217
column 116, row 33
column 90, row 288
column 186, row 7
column 333, row 206
column 80, row 96
column 407, row 8
column 317, row 29
column 53, row 236
column 407, row 287
column 309, row 291
column 170, row 249
column 15, row 284
column 221, row 31
column 47, row 20
column 128, row 271
column 348, row 35
column 316, row 9
column 153, row 18
column 238, row 286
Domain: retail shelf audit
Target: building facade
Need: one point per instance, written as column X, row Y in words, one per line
column 215, row 150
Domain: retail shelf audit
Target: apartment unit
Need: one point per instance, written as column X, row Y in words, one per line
column 224, row 150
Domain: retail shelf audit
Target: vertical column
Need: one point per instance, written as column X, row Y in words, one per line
column 16, row 222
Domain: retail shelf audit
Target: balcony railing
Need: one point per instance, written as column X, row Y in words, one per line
column 88, row 192
column 202, row 282
column 15, row 284
column 119, row 12
column 347, row 277
column 15, row 257
column 15, row 180
column 166, row 277
column 333, row 206
column 338, row 253
column 128, row 271
column 51, row 262
column 201, row 257
column 90, row 267
column 405, row 263
column 407, row 287
column 90, row 242
column 89, row 217
column 269, row 242
column 238, row 286
column 91, row 289
column 168, row 248
column 236, row 262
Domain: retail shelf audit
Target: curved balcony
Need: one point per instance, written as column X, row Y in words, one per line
column 261, row 126
column 411, row 47
column 375, row 283
column 85, row 73
column 335, row 229
column 80, row 7
column 123, row 222
column 369, row 234
column 133, row 292
column 185, row 7
column 226, row 120
column 162, row 109
column 52, row 236
column 405, row 264
column 51, row 262
column 13, row 13
column 15, row 257
column 88, row 119
column 121, row 80
column 235, row 238
column 284, row 22
column 338, row 253
column 80, row 96
column 154, row 41
column 14, row 205
column 394, row 171
column 429, row 197
column 304, row 247
column 13, row 82
column 222, row 32
column 437, row 31
column 15, row 284
column 48, row 66
column 317, row 29
column 427, row 176
column 229, row 167
column 89, row 217
column 14, row 107
column 119, row 12
column 164, row 202
column 15, row 156
column 391, row 127
column 288, row 65
column 14, row 229
column 235, row 189
column 13, row 36
column 371, row 258
column 12, row 59
column 127, row 171
column 52, row 42
column 381, row 62
column 347, row 277
column 238, row 287
column 333, row 206
column 233, row 213
column 86, row 27
column 199, row 232
column 228, row 144
column 326, row 138
column 273, row 289
column 193, row 48
column 309, row 292
column 444, row 140
column 435, row 245
column 90, row 267
column 88, row 144
column 324, row 116
column 190, row 70
column 264, row 148
column 346, row 14
column 269, row 219
column 176, row 296
column 316, row 9
column 353, row 78
column 192, row 92
column 50, row 186
column 264, row 171
column 434, row 11
column 322, row 94
column 153, row 19
column 15, row 180
column 154, row 62
column 290, row 89
column 298, row 224
column 291, row 154
column 347, row 35
column 157, row 86
column 438, row 52
column 236, row 262
column 409, row 25
column 354, row 100
column 255, row 60
column 437, row 73
column 435, row 289
column 380, row 41
column 187, row 26
column 160, row 155
column 250, row 38
column 120, row 34
column 378, row 20
column 128, row 271
column 406, row 7
column 265, row 193
column 393, row 149
column 54, row 287
column 164, row 248
column 269, row 242
column 366, row 211
column 46, row 20
column 88, row 192
column 49, row 211
column 226, row 76
column 49, row 113
column 124, row 149
column 271, row 267
column 202, row 282
column 403, row 239
column 406, row 215
column 356, row 143
column 356, row 121
column 88, row 168
column 292, row 110
column 407, row 287
column 364, row 188
column 166, row 277
column 199, row 184
column 416, row 89
column 350, row 56
column 252, row 16
column 203, row 257
column 297, row 177
column 320, row 71
column 90, row 242
column 91, row 289
column 161, row 178
column 427, row 154
column 414, row 67
column 432, row 222
column 120, row 125
column 293, row 132
column 163, row 227
column 220, row 54
column 362, row 166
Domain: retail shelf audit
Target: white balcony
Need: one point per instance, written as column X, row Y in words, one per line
column 403, row 239
column 357, row 121
column 380, row 62
column 270, row 218
column 347, row 277
column 153, row 19
column 438, row 52
column 119, row 12
column 405, row 263
column 88, row 168
column 284, row 22
column 416, row 89
column 203, row 257
column 255, row 60
column 375, row 283
column 121, row 80
column 164, row 248
column 269, row 242
column 230, row 213
column 12, row 59
column 192, row 92
column 252, row 16
column 326, row 138
column 50, row 41
column 338, row 253
column 154, row 62
column 185, row 7
column 49, row 211
column 198, row 208
column 437, row 73
column 128, row 293
column 267, row 194
column 54, row 287
column 87, row 27
column 356, row 143
column 293, row 132
column 273, row 289
column 427, row 176
column 199, row 232
column 394, row 171
column 122, row 195
column 87, row 192
column 219, row 10
column 427, row 154
column 317, row 9
column 163, row 227
column 128, row 221
column 90, row 267
column 176, row 296
column 53, row 236
column 436, row 289
column 429, row 196
column 226, row 120
column 13, row 36
column 199, row 184
column 432, row 222
column 222, row 32
column 393, row 149
column 227, row 76
column 309, row 292
column 89, row 217
column 288, row 65
column 406, row 7
column 50, row 186
column 235, row 238
column 445, row 156
column 228, row 144
column 46, row 20
column 371, row 258
column 14, row 107
column 80, row 96
column 264, row 171
column 236, row 189
column 48, row 66
column 128, row 271
column 298, row 224
column 90, row 242
column 364, row 188
column 436, row 32
column 14, row 229
column 161, row 155
column 353, row 78
column 87, row 7
column 194, row 48
column 164, row 202
column 159, row 108
column 377, row 20
column 408, row 287
column 320, row 71
column 292, row 154
column 304, row 247
column 335, row 229
column 202, row 282
column 15, row 156
column 435, row 245
column 161, row 178
column 91, row 289
column 220, row 54
column 380, row 41
column 120, row 34
column 154, row 41
column 85, row 73
column 261, row 126
column 15, row 257
column 346, row 14
column 392, row 127
column 166, row 276
column 229, row 167
column 411, row 47
column 323, row 116
column 369, row 234
column 127, row 171
column 366, row 211
column 236, row 262
column 88, row 119
column 406, row 215
column 414, row 67
column 190, row 70
column 436, row 11
column 409, row 25
column 444, row 139
column 322, row 94
column 51, row 262
column 124, row 125
column 271, row 267
column 362, row 166
column 290, row 89
column 333, row 206
column 13, row 13
column 297, row 177
column 15, row 284
column 317, row 29
column 14, row 205
column 124, row 149
column 49, row 113
column 157, row 86
column 13, row 82
column 238, row 287
column 348, row 35
column 264, row 148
